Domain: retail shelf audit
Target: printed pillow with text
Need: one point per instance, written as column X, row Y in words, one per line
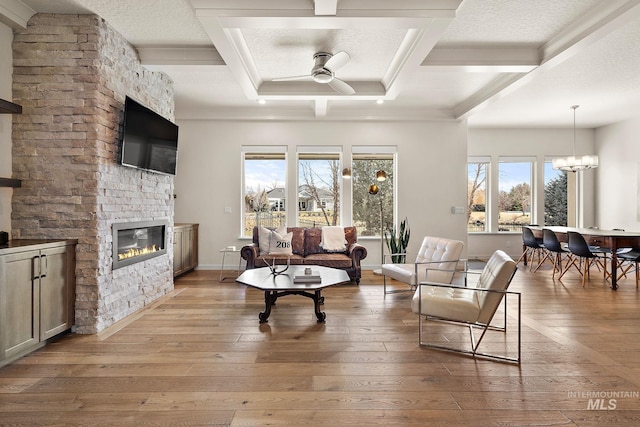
column 280, row 244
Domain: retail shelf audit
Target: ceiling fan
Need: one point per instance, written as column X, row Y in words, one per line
column 324, row 70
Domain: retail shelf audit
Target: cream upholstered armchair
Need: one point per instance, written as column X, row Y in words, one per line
column 474, row 306
column 437, row 255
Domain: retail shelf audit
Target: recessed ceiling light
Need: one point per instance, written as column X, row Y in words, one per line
column 380, row 101
column 262, row 101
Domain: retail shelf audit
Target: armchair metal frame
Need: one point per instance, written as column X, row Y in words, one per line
column 484, row 327
column 384, row 277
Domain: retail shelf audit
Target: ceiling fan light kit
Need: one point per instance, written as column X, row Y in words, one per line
column 323, row 71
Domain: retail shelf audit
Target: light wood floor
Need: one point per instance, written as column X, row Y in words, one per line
column 200, row 357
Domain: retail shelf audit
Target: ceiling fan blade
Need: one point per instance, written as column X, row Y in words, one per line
column 337, row 61
column 341, row 87
column 292, row 78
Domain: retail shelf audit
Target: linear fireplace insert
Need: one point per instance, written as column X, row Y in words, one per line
column 138, row 241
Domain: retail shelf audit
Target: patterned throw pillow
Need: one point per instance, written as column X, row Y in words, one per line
column 264, row 237
column 280, row 244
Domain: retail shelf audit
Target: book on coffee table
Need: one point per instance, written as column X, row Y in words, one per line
column 313, row 277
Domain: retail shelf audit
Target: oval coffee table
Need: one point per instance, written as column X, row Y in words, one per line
column 279, row 285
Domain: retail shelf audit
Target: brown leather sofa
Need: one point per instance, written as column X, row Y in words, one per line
column 306, row 250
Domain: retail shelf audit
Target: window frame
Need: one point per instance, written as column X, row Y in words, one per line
column 325, row 152
column 575, row 183
column 486, row 160
column 532, row 184
column 248, row 152
column 375, row 153
column 548, row 161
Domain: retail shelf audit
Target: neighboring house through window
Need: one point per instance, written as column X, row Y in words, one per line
column 319, row 190
column 319, row 185
column 264, row 187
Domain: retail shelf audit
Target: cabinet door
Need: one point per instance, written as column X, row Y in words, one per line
column 194, row 246
column 57, row 293
column 187, row 248
column 178, row 261
column 19, row 303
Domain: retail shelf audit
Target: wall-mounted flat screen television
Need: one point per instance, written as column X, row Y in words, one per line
column 149, row 141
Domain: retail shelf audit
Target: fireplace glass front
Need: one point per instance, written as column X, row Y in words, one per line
column 138, row 241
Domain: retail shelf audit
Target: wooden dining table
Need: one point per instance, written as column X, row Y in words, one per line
column 611, row 239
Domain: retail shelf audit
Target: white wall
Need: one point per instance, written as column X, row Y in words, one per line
column 618, row 180
column 6, row 72
column 431, row 175
column 537, row 143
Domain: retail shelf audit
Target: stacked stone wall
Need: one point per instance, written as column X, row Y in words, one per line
column 71, row 76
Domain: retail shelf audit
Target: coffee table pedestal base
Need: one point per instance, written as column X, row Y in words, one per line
column 270, row 298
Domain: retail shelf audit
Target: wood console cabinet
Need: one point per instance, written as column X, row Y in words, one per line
column 37, row 294
column 185, row 248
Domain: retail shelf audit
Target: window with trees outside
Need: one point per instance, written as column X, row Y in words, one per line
column 555, row 196
column 366, row 207
column 514, row 194
column 319, row 196
column 477, row 195
column 264, row 184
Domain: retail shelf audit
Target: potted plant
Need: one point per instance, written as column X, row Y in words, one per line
column 398, row 241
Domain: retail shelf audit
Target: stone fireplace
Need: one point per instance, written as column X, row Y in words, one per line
column 138, row 241
column 71, row 74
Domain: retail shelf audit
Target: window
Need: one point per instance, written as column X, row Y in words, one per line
column 317, row 186
column 514, row 194
column 555, row 196
column 319, row 179
column 264, row 188
column 477, row 195
column 503, row 196
column 368, row 210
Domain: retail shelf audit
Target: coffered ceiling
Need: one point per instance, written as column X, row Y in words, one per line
column 492, row 62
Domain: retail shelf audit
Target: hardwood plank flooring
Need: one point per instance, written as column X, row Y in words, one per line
column 199, row 356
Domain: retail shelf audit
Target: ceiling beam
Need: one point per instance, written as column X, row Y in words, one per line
column 416, row 45
column 311, row 90
column 180, row 56
column 594, row 25
column 358, row 20
column 304, row 114
column 487, row 59
column 578, row 37
column 321, row 107
column 325, row 7
column 234, row 51
column 347, row 8
column 15, row 14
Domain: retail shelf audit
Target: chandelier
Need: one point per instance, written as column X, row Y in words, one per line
column 573, row 163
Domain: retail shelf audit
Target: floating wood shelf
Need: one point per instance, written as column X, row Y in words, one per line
column 8, row 182
column 7, row 107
